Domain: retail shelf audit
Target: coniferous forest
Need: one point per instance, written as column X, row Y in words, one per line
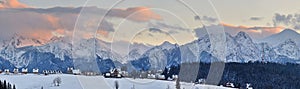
column 6, row 85
column 260, row 75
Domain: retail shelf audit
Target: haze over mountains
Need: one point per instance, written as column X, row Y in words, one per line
column 58, row 53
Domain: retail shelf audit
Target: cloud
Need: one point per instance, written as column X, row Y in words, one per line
column 155, row 30
column 107, row 26
column 139, row 14
column 254, row 32
column 170, row 28
column 208, row 19
column 288, row 20
column 256, row 18
column 60, row 21
column 59, row 33
column 13, row 22
column 153, row 36
column 12, row 4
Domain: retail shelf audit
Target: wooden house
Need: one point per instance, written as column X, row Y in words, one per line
column 35, row 71
column 24, row 70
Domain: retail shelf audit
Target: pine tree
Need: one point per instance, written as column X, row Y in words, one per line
column 8, row 86
column 168, row 87
column 116, row 84
column 133, row 87
column 57, row 81
column 177, row 83
column 14, row 87
column 1, row 85
column 4, row 84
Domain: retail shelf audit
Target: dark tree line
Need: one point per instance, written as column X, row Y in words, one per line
column 260, row 75
column 6, row 85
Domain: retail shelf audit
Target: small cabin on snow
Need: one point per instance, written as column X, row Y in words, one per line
column 24, row 70
column 76, row 71
column 6, row 71
column 70, row 70
column 16, row 71
column 35, row 71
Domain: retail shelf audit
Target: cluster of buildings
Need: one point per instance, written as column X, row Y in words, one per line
column 17, row 71
column 46, row 72
column 113, row 73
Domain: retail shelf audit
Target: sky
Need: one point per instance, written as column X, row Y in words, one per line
column 135, row 20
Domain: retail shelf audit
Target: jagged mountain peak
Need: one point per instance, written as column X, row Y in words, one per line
column 288, row 31
column 18, row 40
column 290, row 41
column 57, row 39
column 166, row 43
column 281, row 37
column 289, row 49
column 243, row 38
column 242, row 35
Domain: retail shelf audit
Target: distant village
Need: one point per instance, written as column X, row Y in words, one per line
column 113, row 73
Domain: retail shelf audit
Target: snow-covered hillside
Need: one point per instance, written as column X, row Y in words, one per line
column 32, row 81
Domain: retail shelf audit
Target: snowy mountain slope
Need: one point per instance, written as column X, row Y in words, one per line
column 156, row 56
column 58, row 46
column 288, row 48
column 239, row 48
column 248, row 50
column 136, row 50
column 281, row 37
column 18, row 40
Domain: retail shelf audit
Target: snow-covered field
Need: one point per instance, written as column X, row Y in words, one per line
column 32, row 81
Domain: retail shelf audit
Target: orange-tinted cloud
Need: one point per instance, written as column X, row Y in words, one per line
column 233, row 26
column 136, row 14
column 53, row 20
column 257, row 32
column 103, row 33
column 12, row 4
column 42, row 35
column 59, row 33
column 43, row 24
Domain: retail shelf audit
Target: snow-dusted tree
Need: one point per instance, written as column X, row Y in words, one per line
column 8, row 86
column 168, row 87
column 57, row 81
column 4, row 84
column 14, row 87
column 1, row 84
column 177, row 83
column 133, row 87
column 116, row 84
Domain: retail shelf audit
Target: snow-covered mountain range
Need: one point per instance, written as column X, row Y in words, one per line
column 58, row 54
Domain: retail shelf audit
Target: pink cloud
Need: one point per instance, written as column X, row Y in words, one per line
column 141, row 14
column 12, row 4
column 256, row 32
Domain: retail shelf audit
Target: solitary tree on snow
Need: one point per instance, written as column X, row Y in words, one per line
column 177, row 83
column 116, row 84
column 57, row 81
column 168, row 87
column 14, row 86
column 133, row 87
